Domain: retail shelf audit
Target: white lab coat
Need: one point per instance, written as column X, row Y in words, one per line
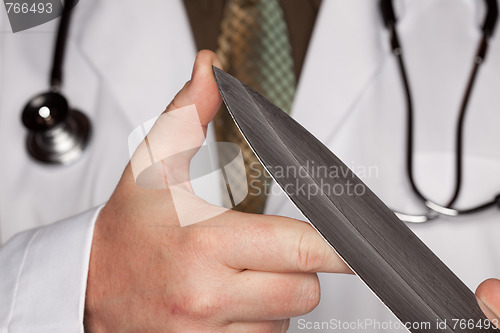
column 125, row 63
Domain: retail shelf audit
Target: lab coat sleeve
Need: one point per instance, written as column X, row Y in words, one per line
column 43, row 276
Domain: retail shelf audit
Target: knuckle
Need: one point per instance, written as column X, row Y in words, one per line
column 295, row 295
column 203, row 243
column 206, row 307
column 202, row 306
column 284, row 325
column 267, row 328
column 309, row 294
column 200, row 240
column 270, row 327
column 311, row 254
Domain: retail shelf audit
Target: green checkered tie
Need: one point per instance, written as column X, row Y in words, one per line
column 254, row 46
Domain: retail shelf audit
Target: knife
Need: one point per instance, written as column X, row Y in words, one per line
column 388, row 257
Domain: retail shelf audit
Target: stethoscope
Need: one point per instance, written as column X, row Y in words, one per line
column 435, row 210
column 57, row 134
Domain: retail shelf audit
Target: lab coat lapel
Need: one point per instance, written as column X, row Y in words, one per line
column 144, row 56
column 337, row 69
column 338, row 66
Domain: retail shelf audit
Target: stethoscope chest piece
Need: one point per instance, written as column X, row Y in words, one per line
column 56, row 133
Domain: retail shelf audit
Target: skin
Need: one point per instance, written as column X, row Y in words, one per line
column 488, row 296
column 234, row 272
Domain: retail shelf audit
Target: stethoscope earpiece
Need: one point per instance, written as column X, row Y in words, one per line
column 56, row 134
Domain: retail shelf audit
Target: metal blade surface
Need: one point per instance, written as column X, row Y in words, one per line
column 391, row 260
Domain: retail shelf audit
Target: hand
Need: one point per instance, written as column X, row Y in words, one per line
column 233, row 272
column 488, row 297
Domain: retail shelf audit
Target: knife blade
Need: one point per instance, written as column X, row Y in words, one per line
column 386, row 255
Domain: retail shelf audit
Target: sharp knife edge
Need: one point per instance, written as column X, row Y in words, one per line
column 337, row 212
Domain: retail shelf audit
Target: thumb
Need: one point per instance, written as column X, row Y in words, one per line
column 488, row 297
column 163, row 159
column 179, row 132
column 202, row 89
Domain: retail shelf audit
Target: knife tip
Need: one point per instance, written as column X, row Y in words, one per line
column 216, row 70
column 218, row 75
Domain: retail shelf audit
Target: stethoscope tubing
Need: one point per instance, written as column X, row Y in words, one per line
column 56, row 74
column 435, row 210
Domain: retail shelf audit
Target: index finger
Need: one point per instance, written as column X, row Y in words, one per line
column 278, row 244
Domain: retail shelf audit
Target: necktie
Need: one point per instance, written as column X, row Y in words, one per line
column 254, row 46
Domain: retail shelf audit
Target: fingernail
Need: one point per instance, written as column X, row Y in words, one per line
column 488, row 312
